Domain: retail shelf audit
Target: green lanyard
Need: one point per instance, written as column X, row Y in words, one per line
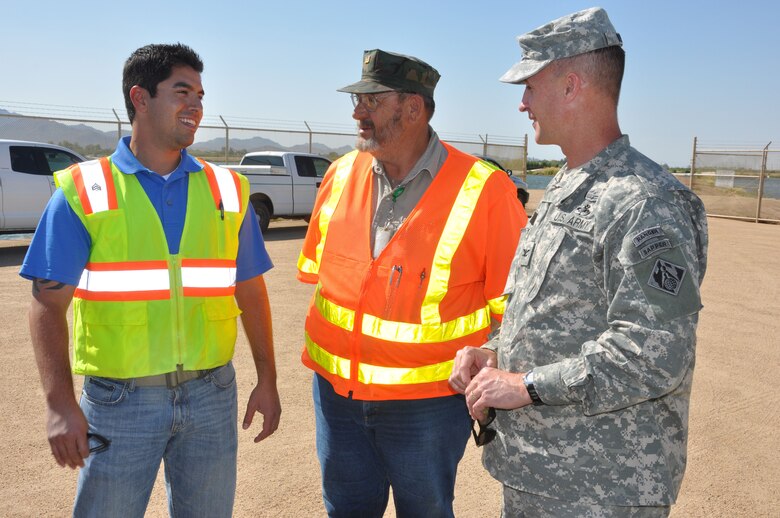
column 397, row 192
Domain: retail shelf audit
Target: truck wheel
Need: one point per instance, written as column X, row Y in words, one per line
column 263, row 216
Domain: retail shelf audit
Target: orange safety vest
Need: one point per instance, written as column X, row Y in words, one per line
column 389, row 327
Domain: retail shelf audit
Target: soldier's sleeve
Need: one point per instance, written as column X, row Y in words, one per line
column 653, row 262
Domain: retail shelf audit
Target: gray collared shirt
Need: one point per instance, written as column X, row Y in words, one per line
column 392, row 205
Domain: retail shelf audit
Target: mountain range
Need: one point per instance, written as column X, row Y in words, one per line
column 20, row 127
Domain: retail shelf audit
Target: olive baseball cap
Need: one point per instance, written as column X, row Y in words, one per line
column 573, row 34
column 383, row 71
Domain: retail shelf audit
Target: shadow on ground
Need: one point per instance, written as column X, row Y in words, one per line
column 12, row 255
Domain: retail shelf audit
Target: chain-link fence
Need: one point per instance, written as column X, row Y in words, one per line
column 94, row 132
column 740, row 183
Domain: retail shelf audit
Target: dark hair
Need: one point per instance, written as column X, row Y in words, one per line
column 604, row 67
column 152, row 64
column 428, row 102
column 608, row 66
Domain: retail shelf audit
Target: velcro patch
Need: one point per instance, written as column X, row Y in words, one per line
column 666, row 277
column 663, row 244
column 646, row 235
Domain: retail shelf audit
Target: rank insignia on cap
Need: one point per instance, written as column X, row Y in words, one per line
column 667, row 277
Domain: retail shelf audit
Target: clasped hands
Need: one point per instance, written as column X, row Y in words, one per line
column 475, row 375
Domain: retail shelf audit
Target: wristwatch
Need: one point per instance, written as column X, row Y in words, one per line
column 528, row 380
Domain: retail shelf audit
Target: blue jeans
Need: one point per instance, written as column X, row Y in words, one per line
column 365, row 447
column 192, row 427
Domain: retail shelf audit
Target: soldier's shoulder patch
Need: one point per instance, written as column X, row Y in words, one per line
column 666, row 276
column 646, row 235
column 655, row 246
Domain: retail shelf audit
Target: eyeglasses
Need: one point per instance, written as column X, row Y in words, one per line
column 370, row 101
column 485, row 434
column 102, row 443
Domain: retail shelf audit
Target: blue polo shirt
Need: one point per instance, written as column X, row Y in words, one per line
column 60, row 247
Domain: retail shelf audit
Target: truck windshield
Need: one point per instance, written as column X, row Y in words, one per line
column 262, row 160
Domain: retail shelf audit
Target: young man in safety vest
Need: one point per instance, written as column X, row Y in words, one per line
column 159, row 253
column 409, row 245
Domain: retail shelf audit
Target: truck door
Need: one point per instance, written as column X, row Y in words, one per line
column 29, row 184
column 310, row 169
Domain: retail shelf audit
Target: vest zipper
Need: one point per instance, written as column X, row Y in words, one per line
column 177, row 299
column 357, row 330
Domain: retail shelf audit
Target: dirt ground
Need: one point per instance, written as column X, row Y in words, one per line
column 733, row 468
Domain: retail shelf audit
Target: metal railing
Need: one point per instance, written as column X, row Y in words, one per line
column 736, row 182
column 95, row 131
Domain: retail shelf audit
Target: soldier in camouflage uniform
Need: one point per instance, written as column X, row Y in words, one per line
column 592, row 368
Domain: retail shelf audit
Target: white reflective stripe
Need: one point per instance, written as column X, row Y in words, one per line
column 124, row 280
column 227, row 189
column 208, row 277
column 95, row 185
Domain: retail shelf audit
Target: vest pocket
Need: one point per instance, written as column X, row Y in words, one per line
column 218, row 308
column 218, row 333
column 111, row 338
column 133, row 313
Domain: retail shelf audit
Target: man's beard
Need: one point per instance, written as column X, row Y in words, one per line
column 382, row 137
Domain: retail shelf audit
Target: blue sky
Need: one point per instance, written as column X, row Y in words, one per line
column 701, row 69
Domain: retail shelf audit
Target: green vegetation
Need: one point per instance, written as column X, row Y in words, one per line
column 90, row 150
column 545, row 171
column 535, row 163
column 544, row 167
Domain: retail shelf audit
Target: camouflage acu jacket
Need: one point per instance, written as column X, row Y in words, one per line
column 604, row 301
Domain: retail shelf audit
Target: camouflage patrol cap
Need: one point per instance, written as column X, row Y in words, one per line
column 383, row 71
column 573, row 34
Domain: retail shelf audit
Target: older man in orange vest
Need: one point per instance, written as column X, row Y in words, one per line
column 409, row 246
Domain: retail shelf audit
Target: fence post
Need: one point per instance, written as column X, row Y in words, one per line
column 118, row 125
column 761, row 176
column 693, row 165
column 525, row 157
column 484, row 144
column 310, row 134
column 227, row 139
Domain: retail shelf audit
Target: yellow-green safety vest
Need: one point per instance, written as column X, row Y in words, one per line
column 138, row 309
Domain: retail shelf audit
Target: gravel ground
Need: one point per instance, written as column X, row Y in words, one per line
column 733, row 465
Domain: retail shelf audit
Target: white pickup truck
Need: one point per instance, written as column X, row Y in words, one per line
column 282, row 184
column 26, row 181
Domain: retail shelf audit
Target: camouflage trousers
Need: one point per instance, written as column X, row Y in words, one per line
column 519, row 504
